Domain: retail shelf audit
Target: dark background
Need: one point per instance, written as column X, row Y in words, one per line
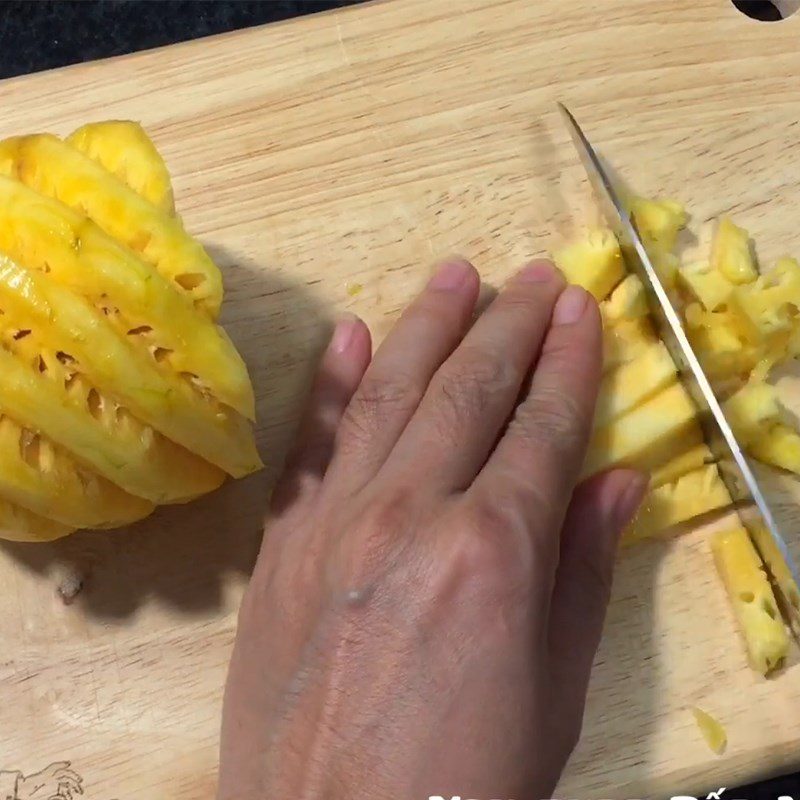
column 41, row 35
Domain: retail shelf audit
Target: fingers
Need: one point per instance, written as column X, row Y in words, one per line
column 473, row 394
column 400, row 372
column 538, row 460
column 340, row 372
column 600, row 509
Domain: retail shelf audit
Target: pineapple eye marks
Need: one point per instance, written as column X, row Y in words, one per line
column 767, row 10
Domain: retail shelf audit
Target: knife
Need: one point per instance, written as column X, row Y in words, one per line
column 735, row 469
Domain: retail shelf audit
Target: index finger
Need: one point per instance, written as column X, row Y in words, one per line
column 538, row 461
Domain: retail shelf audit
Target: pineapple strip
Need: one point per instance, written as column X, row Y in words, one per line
column 125, row 373
column 779, row 446
column 645, row 437
column 44, row 479
column 626, row 341
column 631, row 384
column 125, row 150
column 695, row 457
column 42, row 394
column 752, row 598
column 56, row 169
column 41, row 233
column 693, row 494
column 20, row 525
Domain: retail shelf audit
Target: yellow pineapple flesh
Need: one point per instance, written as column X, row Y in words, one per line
column 17, row 524
column 42, row 234
column 627, row 302
column 55, row 169
column 732, row 253
column 125, row 150
column 695, row 456
column 594, row 263
column 626, row 341
column 630, row 384
column 752, row 599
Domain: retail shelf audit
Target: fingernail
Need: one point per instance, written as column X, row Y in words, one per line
column 628, row 503
column 537, row 272
column 450, row 276
column 343, row 333
column 570, row 305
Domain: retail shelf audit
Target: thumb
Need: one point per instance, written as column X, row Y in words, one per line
column 599, row 511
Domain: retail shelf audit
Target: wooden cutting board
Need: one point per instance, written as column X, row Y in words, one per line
column 327, row 163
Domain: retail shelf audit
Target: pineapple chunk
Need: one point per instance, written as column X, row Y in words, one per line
column 595, row 263
column 659, row 221
column 732, row 253
column 645, row 437
column 718, row 342
column 56, row 169
column 752, row 410
column 693, row 494
column 627, row 302
column 41, row 393
column 43, row 479
column 779, row 446
column 713, row 733
column 779, row 570
column 20, row 525
column 752, row 599
column 626, row 341
column 696, row 456
column 43, row 234
column 708, row 285
column 126, row 374
column 631, row 384
column 125, row 150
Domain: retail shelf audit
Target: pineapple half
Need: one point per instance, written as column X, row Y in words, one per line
column 120, row 391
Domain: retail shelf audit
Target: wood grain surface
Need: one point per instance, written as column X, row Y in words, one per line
column 350, row 150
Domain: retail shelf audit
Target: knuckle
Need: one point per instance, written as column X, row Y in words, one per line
column 376, row 399
column 551, row 419
column 465, row 389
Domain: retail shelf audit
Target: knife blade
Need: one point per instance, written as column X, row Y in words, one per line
column 735, row 469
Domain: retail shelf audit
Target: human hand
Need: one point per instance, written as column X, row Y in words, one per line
column 55, row 782
column 431, row 588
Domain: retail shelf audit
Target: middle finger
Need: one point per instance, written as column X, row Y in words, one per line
column 473, row 394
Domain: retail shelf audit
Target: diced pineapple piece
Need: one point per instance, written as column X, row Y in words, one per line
column 708, row 285
column 667, row 266
column 779, row 446
column 20, row 525
column 659, row 221
column 125, row 150
column 752, row 599
column 41, row 393
column 626, row 341
column 779, row 570
column 42, row 478
column 595, row 263
column 645, row 437
column 43, row 234
column 693, row 494
column 732, row 253
column 712, row 732
column 752, row 410
column 126, row 374
column 56, row 169
column 694, row 457
column 631, row 384
column 627, row 302
column 718, row 343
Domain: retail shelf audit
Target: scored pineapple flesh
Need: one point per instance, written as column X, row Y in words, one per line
column 693, row 494
column 693, row 457
column 42, row 234
column 752, row 599
column 627, row 302
column 630, row 384
column 42, row 390
column 125, row 150
column 56, row 169
column 124, row 372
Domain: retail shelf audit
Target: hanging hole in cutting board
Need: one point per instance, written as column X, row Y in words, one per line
column 768, row 10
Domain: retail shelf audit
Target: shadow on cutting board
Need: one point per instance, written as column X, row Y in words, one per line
column 181, row 555
column 615, row 748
